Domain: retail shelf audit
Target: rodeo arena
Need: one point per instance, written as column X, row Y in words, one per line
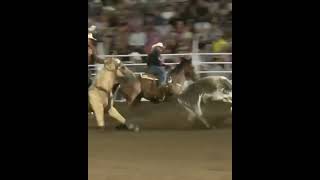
column 160, row 89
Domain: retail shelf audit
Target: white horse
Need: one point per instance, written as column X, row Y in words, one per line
column 100, row 92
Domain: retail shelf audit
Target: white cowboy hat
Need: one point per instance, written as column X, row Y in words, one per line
column 92, row 28
column 90, row 36
column 159, row 44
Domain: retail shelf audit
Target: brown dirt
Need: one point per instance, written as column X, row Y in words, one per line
column 186, row 152
column 160, row 155
column 169, row 115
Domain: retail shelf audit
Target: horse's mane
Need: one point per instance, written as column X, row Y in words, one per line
column 179, row 67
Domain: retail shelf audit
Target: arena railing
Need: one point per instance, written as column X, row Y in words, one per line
column 193, row 55
column 179, row 54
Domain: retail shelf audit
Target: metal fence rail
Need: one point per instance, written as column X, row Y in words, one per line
column 96, row 66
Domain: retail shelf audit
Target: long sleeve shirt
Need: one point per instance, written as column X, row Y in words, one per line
column 154, row 58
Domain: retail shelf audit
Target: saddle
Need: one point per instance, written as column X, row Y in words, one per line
column 151, row 77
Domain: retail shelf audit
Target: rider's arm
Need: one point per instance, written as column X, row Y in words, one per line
column 155, row 58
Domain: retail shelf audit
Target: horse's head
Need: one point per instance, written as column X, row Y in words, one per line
column 116, row 66
column 176, row 79
column 188, row 68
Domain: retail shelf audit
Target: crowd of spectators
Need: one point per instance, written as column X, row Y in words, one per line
column 132, row 26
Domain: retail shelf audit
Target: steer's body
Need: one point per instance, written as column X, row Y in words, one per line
column 212, row 88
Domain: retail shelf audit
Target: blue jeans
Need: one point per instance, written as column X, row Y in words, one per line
column 159, row 72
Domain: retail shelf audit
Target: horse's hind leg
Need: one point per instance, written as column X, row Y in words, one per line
column 97, row 108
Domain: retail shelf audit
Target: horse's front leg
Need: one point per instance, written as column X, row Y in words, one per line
column 133, row 101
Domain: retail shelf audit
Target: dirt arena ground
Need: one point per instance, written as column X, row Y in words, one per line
column 167, row 148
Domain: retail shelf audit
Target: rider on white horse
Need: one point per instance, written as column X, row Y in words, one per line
column 91, row 50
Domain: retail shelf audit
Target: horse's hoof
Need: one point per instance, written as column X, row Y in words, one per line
column 213, row 127
column 101, row 129
column 122, row 127
column 209, row 126
column 136, row 129
column 130, row 127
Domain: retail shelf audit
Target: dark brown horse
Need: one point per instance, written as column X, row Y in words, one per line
column 146, row 85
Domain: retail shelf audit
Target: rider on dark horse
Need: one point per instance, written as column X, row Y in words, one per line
column 93, row 58
column 155, row 63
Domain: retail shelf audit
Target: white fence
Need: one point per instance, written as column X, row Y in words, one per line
column 181, row 54
column 194, row 56
column 177, row 54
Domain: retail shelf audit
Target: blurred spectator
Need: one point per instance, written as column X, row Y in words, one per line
column 101, row 23
column 136, row 22
column 164, row 29
column 183, row 37
column 94, row 7
column 135, row 58
column 121, row 38
column 137, row 39
column 220, row 45
column 168, row 12
column 170, row 42
column 158, row 19
column 215, row 33
column 129, row 2
column 153, row 36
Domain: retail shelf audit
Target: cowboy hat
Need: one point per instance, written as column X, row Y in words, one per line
column 90, row 36
column 92, row 28
column 159, row 44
